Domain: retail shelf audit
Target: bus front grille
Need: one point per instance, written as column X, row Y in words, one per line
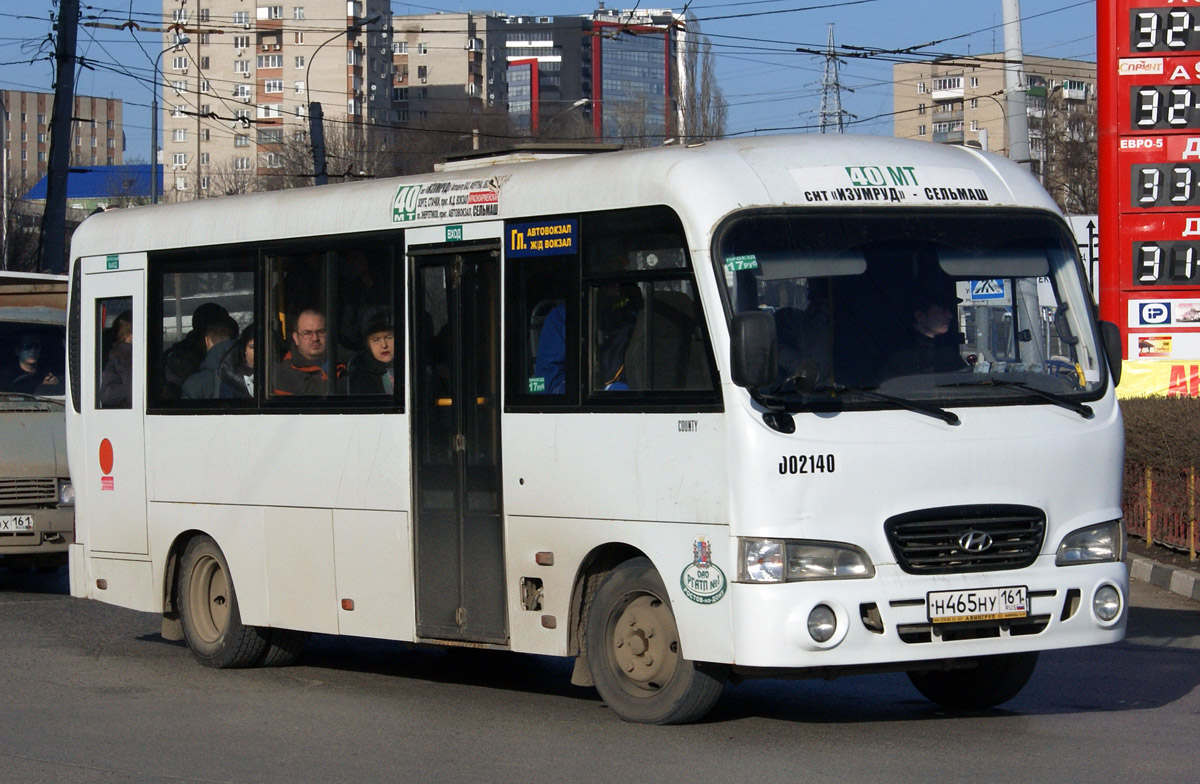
column 14, row 492
column 958, row 539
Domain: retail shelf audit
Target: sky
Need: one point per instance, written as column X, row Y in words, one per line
column 769, row 86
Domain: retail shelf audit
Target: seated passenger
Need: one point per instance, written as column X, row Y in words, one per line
column 237, row 367
column 372, row 372
column 183, row 358
column 116, row 380
column 205, row 383
column 931, row 348
column 551, row 362
column 307, row 369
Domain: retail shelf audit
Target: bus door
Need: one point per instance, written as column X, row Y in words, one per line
column 458, row 511
column 113, row 403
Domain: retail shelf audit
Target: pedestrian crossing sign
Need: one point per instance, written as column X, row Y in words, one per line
column 989, row 289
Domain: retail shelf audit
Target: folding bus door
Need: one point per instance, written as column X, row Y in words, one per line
column 458, row 517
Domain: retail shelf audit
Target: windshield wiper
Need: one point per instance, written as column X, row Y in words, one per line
column 928, row 409
column 29, row 396
column 1083, row 410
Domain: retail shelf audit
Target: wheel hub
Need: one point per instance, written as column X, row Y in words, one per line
column 645, row 644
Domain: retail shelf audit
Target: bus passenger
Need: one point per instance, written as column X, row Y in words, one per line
column 372, row 372
column 551, row 361
column 205, row 383
column 237, row 367
column 183, row 358
column 306, row 368
column 116, row 380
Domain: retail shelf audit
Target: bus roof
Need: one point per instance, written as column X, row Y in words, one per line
column 705, row 181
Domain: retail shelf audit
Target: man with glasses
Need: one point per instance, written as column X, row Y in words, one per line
column 307, row 368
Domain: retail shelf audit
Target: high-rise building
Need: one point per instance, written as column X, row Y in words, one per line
column 97, row 135
column 963, row 101
column 235, row 97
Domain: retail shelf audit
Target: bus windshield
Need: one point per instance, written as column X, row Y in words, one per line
column 936, row 306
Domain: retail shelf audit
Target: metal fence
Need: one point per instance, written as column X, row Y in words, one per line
column 1160, row 506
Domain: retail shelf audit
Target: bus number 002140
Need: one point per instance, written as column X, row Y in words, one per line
column 806, row 464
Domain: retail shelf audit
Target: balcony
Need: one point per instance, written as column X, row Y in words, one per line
column 948, row 137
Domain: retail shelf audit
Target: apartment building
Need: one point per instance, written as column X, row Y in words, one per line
column 236, row 94
column 97, row 136
column 963, row 101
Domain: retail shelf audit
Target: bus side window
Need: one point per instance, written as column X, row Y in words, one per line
column 114, row 349
column 646, row 330
column 543, row 339
column 206, row 308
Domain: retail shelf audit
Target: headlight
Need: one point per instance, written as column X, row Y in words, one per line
column 779, row 560
column 66, row 493
column 1094, row 544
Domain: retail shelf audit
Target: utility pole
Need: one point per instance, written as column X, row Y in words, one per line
column 54, row 219
column 1014, row 84
column 832, row 117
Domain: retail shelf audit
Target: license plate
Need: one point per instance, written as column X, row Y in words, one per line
column 10, row 523
column 982, row 604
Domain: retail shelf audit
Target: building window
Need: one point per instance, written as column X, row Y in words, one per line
column 275, row 12
column 177, row 111
column 422, row 73
column 298, row 38
column 422, row 49
column 271, row 160
column 974, row 125
column 920, row 108
column 179, row 160
column 270, row 61
column 241, row 140
column 400, row 47
column 241, row 164
column 270, row 136
column 298, row 12
column 204, row 159
column 299, row 88
column 269, row 110
column 241, row 17
column 921, row 89
column 205, row 87
column 179, row 63
column 41, row 119
column 974, row 81
column 241, row 42
column 241, row 66
column 179, row 15
column 204, row 183
column 241, row 91
column 205, row 63
column 974, row 103
column 205, row 134
column 920, row 130
column 300, row 61
column 273, row 86
column 179, row 135
column 180, row 86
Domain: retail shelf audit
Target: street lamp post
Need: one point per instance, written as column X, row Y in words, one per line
column 181, row 40
column 575, row 105
column 316, row 115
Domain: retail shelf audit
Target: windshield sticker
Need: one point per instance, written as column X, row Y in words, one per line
column 739, row 263
column 890, row 184
column 702, row 580
column 440, row 201
column 537, row 385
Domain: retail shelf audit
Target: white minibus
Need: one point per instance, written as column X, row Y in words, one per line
column 772, row 407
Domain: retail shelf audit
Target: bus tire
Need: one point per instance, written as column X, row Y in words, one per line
column 633, row 649
column 208, row 610
column 993, row 680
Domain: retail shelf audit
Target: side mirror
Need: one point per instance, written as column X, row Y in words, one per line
column 753, row 349
column 1110, row 336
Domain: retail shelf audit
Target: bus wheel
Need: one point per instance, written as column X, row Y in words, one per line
column 208, row 610
column 633, row 648
column 991, row 681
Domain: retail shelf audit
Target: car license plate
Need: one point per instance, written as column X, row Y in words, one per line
column 981, row 604
column 10, row 523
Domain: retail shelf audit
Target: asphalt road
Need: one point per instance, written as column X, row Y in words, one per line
column 92, row 693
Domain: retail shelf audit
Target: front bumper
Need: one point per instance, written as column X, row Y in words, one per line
column 884, row 619
column 53, row 531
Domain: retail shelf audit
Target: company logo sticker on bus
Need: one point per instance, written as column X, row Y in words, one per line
column 106, row 465
column 1154, row 313
column 702, row 580
column 113, row 261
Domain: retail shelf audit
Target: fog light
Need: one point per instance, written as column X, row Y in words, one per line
column 1106, row 604
column 822, row 623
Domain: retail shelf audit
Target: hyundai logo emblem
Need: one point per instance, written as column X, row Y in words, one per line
column 975, row 541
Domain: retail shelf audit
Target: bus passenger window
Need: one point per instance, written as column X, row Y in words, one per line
column 543, row 296
column 206, row 309
column 114, row 345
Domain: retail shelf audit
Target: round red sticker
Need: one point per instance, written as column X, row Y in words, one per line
column 106, row 456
